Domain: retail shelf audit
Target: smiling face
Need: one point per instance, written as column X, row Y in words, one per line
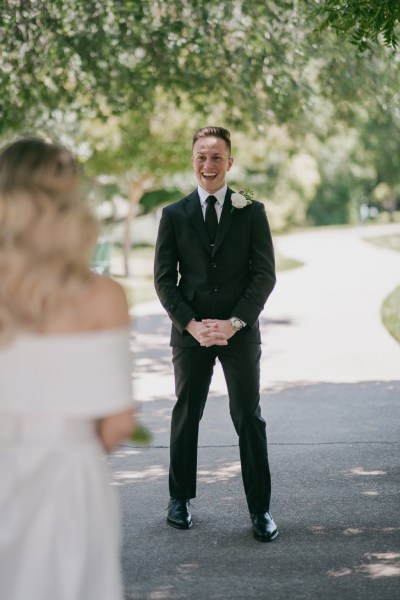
column 211, row 162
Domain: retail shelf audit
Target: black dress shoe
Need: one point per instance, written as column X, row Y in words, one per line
column 178, row 514
column 264, row 528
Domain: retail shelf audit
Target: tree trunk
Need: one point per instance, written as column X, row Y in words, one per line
column 136, row 191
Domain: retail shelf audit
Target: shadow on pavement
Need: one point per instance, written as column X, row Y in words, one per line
column 334, row 453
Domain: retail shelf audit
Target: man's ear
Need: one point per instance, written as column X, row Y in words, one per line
column 230, row 162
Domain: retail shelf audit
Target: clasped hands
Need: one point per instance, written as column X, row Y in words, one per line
column 211, row 332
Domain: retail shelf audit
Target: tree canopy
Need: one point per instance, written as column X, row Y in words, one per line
column 364, row 20
column 314, row 84
column 103, row 57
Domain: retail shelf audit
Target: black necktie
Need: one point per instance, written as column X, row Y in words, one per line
column 211, row 219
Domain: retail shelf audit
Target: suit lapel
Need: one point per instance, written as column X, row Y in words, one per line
column 227, row 218
column 196, row 219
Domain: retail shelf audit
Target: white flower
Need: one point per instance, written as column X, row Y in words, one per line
column 238, row 201
column 241, row 199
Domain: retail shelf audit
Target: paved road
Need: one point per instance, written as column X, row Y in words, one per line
column 331, row 398
column 324, row 318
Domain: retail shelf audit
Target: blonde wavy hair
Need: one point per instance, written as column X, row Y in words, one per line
column 47, row 234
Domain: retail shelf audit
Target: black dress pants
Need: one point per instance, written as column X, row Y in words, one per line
column 193, row 368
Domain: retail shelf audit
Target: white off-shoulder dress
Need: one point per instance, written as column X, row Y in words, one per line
column 59, row 519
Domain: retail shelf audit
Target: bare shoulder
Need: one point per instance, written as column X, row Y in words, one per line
column 105, row 303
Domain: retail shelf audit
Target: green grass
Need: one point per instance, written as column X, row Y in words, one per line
column 390, row 310
column 385, row 241
column 390, row 313
column 286, row 264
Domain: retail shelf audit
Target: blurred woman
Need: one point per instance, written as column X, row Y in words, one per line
column 65, row 385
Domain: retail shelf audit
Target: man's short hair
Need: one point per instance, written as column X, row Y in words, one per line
column 218, row 132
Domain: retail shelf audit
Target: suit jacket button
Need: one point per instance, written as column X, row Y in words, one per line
column 215, row 289
column 214, row 265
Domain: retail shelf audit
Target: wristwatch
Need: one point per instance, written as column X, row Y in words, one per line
column 236, row 323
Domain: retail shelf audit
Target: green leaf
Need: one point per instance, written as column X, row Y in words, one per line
column 140, row 435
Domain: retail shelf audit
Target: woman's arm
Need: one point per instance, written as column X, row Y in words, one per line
column 109, row 309
column 114, row 429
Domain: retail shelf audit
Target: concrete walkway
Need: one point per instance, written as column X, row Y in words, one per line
column 331, row 399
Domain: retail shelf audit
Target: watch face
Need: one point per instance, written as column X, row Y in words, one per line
column 236, row 324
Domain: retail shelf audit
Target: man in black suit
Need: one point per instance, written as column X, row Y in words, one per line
column 214, row 270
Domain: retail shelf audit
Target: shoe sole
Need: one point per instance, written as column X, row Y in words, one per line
column 261, row 538
column 176, row 526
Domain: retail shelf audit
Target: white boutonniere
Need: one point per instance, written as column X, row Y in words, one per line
column 241, row 199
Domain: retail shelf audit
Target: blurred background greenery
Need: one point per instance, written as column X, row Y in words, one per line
column 309, row 88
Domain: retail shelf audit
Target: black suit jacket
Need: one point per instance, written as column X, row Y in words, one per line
column 234, row 278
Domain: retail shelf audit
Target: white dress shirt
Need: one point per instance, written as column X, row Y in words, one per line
column 219, row 195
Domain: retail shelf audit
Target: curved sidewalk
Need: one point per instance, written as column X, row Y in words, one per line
column 331, row 399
